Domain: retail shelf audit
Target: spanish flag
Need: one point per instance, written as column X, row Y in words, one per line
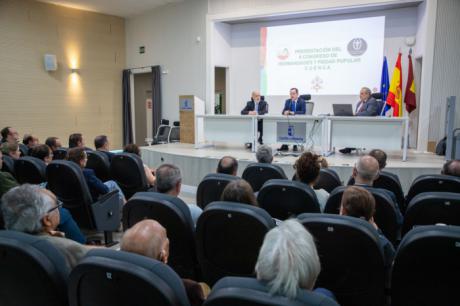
column 409, row 95
column 394, row 98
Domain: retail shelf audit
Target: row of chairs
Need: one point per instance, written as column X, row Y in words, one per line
column 166, row 133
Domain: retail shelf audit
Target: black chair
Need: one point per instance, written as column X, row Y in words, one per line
column 388, row 181
column 426, row 267
column 430, row 208
column 228, row 238
column 433, row 183
column 162, row 134
column 30, row 170
column 245, row 291
column 116, row 278
column 60, row 153
column 284, row 199
column 32, row 271
column 256, row 174
column 174, row 133
column 8, row 164
column 174, row 215
column 352, row 262
column 100, row 163
column 309, row 104
column 127, row 170
column 211, row 187
column 23, row 149
column 328, row 180
column 66, row 181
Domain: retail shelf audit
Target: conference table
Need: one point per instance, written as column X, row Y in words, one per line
column 324, row 132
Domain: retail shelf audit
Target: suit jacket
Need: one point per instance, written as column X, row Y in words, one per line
column 95, row 185
column 370, row 108
column 251, row 105
column 301, row 107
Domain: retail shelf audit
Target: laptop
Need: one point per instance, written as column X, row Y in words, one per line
column 342, row 109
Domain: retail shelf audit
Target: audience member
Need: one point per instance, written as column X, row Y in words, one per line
column 30, row 141
column 7, row 181
column 101, row 143
column 76, row 141
column 148, row 238
column 228, row 165
column 95, row 185
column 323, row 162
column 169, row 181
column 452, row 167
column 53, row 142
column 33, row 210
column 288, row 261
column 358, row 202
column 365, row 172
column 264, row 154
column 149, row 173
column 239, row 191
column 11, row 149
column 43, row 152
column 307, row 168
column 9, row 135
column 381, row 158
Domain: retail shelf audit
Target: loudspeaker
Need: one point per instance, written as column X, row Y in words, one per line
column 50, row 62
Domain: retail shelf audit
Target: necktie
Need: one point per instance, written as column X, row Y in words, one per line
column 361, row 107
column 293, row 106
column 257, row 108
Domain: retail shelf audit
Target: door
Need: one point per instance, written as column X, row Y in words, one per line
column 142, row 107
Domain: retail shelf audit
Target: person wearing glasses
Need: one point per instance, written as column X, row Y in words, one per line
column 34, row 210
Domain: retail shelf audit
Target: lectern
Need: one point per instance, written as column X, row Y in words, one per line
column 189, row 106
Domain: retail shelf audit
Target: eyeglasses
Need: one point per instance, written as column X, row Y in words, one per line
column 59, row 205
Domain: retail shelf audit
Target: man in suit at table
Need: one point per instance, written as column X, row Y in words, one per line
column 293, row 106
column 256, row 106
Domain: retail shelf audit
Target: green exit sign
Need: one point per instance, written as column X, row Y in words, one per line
column 142, row 49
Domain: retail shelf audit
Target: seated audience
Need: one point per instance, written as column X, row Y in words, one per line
column 148, row 238
column 228, row 165
column 239, row 191
column 264, row 154
column 11, row 149
column 101, row 143
column 307, row 168
column 9, row 135
column 149, row 173
column 43, row 152
column 381, row 158
column 7, row 181
column 288, row 261
column 76, row 141
column 169, row 181
column 33, row 210
column 365, row 172
column 358, row 202
column 95, row 185
column 452, row 167
column 54, row 143
column 30, row 141
column 323, row 162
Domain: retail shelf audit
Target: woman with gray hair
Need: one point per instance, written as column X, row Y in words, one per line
column 288, row 261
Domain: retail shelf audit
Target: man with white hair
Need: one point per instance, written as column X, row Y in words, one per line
column 34, row 210
column 257, row 106
column 264, row 154
column 289, row 265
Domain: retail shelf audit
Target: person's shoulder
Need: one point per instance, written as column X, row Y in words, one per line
column 88, row 172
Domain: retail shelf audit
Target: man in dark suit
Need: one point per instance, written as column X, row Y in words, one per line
column 293, row 106
column 256, row 106
column 101, row 143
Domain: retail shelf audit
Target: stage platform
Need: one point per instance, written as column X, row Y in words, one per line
column 196, row 163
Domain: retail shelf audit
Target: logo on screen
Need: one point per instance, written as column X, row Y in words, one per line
column 291, row 131
column 357, row 46
column 283, row 54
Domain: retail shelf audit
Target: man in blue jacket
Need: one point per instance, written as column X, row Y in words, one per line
column 293, row 106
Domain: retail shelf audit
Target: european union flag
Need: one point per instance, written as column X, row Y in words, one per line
column 385, row 86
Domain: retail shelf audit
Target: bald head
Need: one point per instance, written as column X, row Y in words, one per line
column 147, row 238
column 452, row 167
column 366, row 170
column 228, row 165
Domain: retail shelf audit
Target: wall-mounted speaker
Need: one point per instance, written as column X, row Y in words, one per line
column 50, row 62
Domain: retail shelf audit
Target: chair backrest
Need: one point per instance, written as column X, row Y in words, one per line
column 427, row 266
column 211, row 187
column 229, row 236
column 174, row 134
column 352, row 262
column 162, row 133
column 433, row 182
column 32, row 271
column 245, row 291
column 430, row 208
column 8, row 164
column 100, row 163
column 283, row 199
column 174, row 215
column 66, row 181
column 60, row 153
column 128, row 171
column 328, row 180
column 30, row 170
column 116, row 278
column 23, row 149
column 256, row 174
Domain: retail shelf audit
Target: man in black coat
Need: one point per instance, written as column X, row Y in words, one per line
column 256, row 106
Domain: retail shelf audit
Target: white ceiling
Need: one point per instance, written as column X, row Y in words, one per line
column 122, row 8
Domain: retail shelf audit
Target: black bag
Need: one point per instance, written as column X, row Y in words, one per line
column 441, row 147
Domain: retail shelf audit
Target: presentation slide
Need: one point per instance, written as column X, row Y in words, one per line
column 322, row 58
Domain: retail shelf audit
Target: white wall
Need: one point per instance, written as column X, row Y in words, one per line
column 169, row 35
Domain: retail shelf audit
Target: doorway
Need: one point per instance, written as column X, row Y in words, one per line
column 220, row 90
column 142, row 108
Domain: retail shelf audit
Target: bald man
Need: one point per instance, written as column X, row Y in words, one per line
column 257, row 106
column 365, row 172
column 452, row 167
column 227, row 165
column 148, row 238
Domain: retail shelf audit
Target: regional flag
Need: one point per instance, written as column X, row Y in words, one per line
column 409, row 96
column 394, row 98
